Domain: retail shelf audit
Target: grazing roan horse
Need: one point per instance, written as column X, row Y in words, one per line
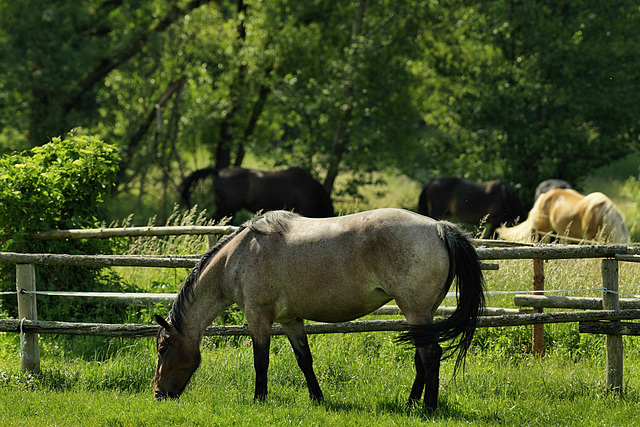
column 282, row 267
column 570, row 214
column 255, row 190
column 495, row 202
column 550, row 184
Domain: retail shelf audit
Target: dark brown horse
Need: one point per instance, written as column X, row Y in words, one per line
column 494, row 202
column 281, row 267
column 255, row 190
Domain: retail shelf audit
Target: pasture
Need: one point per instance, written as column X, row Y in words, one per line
column 365, row 377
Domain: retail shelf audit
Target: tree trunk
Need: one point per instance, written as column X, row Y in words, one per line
column 341, row 138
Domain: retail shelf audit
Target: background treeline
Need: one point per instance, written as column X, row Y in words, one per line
column 520, row 90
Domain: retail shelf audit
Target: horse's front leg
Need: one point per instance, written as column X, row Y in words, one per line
column 260, row 331
column 261, row 365
column 298, row 339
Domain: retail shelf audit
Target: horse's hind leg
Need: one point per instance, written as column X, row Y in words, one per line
column 427, row 361
column 298, row 339
column 418, row 384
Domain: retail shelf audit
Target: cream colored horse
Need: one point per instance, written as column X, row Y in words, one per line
column 285, row 268
column 568, row 213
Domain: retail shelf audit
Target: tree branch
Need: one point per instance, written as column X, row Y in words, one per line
column 136, row 137
column 112, row 62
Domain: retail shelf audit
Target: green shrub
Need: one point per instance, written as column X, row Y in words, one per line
column 58, row 185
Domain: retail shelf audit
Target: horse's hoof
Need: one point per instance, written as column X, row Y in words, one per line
column 413, row 403
column 317, row 399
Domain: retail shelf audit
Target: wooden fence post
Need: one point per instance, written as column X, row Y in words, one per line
column 613, row 343
column 27, row 309
column 538, row 330
column 212, row 239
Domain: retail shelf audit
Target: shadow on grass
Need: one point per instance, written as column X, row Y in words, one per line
column 446, row 411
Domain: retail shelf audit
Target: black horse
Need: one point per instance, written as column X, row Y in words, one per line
column 494, row 202
column 550, row 184
column 255, row 190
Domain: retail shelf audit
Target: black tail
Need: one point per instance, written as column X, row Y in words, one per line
column 462, row 324
column 190, row 180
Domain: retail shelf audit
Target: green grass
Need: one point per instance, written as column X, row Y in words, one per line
column 365, row 377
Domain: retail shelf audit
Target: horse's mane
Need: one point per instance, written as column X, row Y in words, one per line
column 186, row 290
column 268, row 223
column 271, row 222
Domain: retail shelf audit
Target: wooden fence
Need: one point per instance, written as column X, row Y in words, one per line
column 602, row 316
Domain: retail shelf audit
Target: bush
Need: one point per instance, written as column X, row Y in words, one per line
column 58, row 185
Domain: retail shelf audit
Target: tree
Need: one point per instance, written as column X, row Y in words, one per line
column 68, row 48
column 344, row 101
column 515, row 89
column 535, row 90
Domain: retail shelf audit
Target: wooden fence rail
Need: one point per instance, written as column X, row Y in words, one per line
column 167, row 261
column 145, row 330
column 106, row 233
column 573, row 303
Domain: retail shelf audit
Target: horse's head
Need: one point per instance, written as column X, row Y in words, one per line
column 178, row 358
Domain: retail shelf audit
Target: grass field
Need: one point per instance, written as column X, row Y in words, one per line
column 365, row 377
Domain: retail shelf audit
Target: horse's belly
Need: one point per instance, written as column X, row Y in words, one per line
column 326, row 309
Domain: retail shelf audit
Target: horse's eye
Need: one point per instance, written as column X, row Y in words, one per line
column 163, row 347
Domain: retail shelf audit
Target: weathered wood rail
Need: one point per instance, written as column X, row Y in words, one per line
column 106, row 233
column 145, row 330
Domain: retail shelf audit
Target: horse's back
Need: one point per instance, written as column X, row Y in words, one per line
column 289, row 189
column 337, row 269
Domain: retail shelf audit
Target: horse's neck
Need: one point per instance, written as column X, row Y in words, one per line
column 207, row 303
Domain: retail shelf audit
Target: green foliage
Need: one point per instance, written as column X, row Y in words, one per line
column 533, row 90
column 519, row 90
column 59, row 185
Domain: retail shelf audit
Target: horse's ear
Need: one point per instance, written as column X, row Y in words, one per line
column 162, row 322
